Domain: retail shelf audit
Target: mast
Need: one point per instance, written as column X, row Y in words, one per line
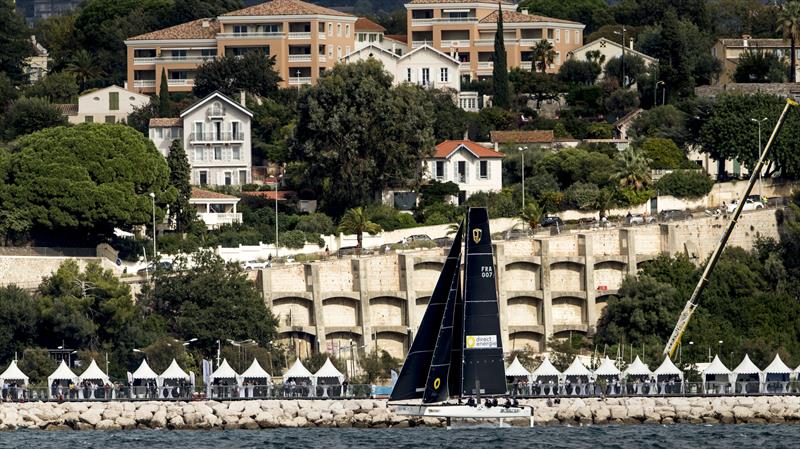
column 414, row 373
column 483, row 366
column 691, row 305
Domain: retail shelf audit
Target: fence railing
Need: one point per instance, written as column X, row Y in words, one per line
column 653, row 388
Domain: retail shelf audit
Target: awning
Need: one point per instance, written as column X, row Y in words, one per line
column 329, row 371
column 638, row 368
column 255, row 372
column 545, row 369
column 13, row 373
column 777, row 367
column 576, row 368
column 224, row 372
column 174, row 371
column 516, row 369
column 297, row 371
column 667, row 368
column 93, row 372
column 607, row 368
column 144, row 372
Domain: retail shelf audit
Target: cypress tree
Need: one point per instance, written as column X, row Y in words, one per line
column 179, row 175
column 163, row 95
column 500, row 70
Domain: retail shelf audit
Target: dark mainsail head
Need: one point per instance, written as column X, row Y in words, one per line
column 483, row 349
column 436, row 387
column 412, row 379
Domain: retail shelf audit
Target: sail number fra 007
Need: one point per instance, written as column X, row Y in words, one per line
column 487, row 271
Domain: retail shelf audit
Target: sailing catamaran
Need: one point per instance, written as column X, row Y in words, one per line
column 457, row 351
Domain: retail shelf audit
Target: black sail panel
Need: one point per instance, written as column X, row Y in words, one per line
column 454, row 381
column 482, row 346
column 436, row 388
column 411, row 381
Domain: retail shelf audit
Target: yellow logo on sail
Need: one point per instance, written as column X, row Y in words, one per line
column 476, row 235
column 470, row 341
column 437, row 383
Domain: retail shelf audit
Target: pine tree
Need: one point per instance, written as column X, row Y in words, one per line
column 500, row 71
column 179, row 174
column 163, row 95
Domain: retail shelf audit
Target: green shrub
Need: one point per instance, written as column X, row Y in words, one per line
column 627, row 196
column 317, row 223
column 685, row 184
column 664, row 154
column 581, row 195
column 500, row 204
column 249, row 188
column 293, row 239
column 174, row 243
column 389, row 218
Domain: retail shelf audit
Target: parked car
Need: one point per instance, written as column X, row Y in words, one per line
column 347, row 251
column 551, row 221
column 639, row 219
column 589, row 223
column 255, row 265
column 153, row 267
column 749, row 204
column 443, row 242
column 417, row 238
column 674, row 214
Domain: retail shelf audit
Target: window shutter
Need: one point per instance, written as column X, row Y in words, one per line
column 444, row 171
column 466, row 172
column 489, row 169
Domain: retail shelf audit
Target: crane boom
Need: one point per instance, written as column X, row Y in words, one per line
column 691, row 305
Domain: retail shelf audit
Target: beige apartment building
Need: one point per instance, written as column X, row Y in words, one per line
column 305, row 40
column 728, row 51
column 466, row 29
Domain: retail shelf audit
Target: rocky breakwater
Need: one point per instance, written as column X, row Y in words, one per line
column 375, row 414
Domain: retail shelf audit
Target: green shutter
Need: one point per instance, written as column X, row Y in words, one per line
column 113, row 101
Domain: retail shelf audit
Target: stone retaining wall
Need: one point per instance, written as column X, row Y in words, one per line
column 373, row 413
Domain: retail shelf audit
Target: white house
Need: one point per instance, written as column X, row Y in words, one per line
column 608, row 50
column 110, row 104
column 371, row 33
column 424, row 65
column 215, row 133
column 472, row 166
column 215, row 209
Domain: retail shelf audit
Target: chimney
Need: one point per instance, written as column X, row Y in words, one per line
column 745, row 38
column 524, row 11
column 630, row 43
column 206, row 24
column 242, row 98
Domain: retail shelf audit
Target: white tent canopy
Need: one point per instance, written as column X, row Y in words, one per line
column 516, row 369
column 224, row 371
column 607, row 368
column 13, row 373
column 716, row 367
column 746, row 367
column 62, row 373
column 297, row 371
column 329, row 371
column 577, row 368
column 638, row 368
column 545, row 369
column 144, row 372
column 174, row 371
column 667, row 368
column 93, row 372
column 777, row 367
column 255, row 372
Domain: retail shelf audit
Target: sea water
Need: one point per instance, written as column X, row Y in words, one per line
column 631, row 436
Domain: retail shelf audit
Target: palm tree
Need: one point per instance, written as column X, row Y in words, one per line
column 632, row 169
column 595, row 57
column 603, row 202
column 84, row 67
column 544, row 54
column 531, row 215
column 355, row 221
column 789, row 26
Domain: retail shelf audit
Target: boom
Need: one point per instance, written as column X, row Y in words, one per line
column 691, row 305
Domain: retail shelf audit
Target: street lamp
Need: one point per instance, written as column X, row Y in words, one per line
column 155, row 253
column 522, row 152
column 622, row 59
column 663, row 94
column 277, row 182
column 759, row 122
column 719, row 348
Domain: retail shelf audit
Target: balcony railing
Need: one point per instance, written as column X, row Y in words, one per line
column 303, row 35
column 180, row 82
column 213, row 219
column 526, row 65
column 144, row 61
column 421, row 43
column 144, row 83
column 484, row 42
column 321, row 36
column 442, row 20
column 299, row 80
column 191, row 59
column 252, row 35
column 485, row 64
column 323, row 58
column 216, row 137
column 300, row 58
column 455, row 43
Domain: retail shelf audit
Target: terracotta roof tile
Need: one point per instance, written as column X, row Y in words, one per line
column 165, row 122
column 285, row 8
column 201, row 194
column 270, row 194
column 66, row 109
column 446, row 148
column 188, row 30
column 426, row 2
column 537, row 136
column 397, row 37
column 518, row 17
column 364, row 24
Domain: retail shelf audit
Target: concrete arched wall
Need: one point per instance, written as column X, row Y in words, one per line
column 392, row 342
column 569, row 310
column 518, row 341
column 293, row 311
column 340, row 311
column 600, row 304
column 565, row 333
column 567, row 276
column 425, row 275
column 524, row 311
column 388, row 311
column 299, row 343
column 608, row 274
column 523, row 276
column 422, row 305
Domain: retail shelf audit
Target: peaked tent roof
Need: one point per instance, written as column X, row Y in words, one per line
column 777, row 367
column 94, row 372
column 329, row 371
column 546, row 368
column 255, row 372
column 607, row 368
column 174, row 371
column 515, row 369
column 577, row 368
column 298, row 371
column 667, row 368
column 747, row 367
column 638, row 368
column 224, row 371
column 716, row 367
column 61, row 373
column 144, row 371
column 13, row 373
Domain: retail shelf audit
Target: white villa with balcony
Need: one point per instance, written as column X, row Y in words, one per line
column 215, row 209
column 472, row 166
column 425, row 65
column 215, row 133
